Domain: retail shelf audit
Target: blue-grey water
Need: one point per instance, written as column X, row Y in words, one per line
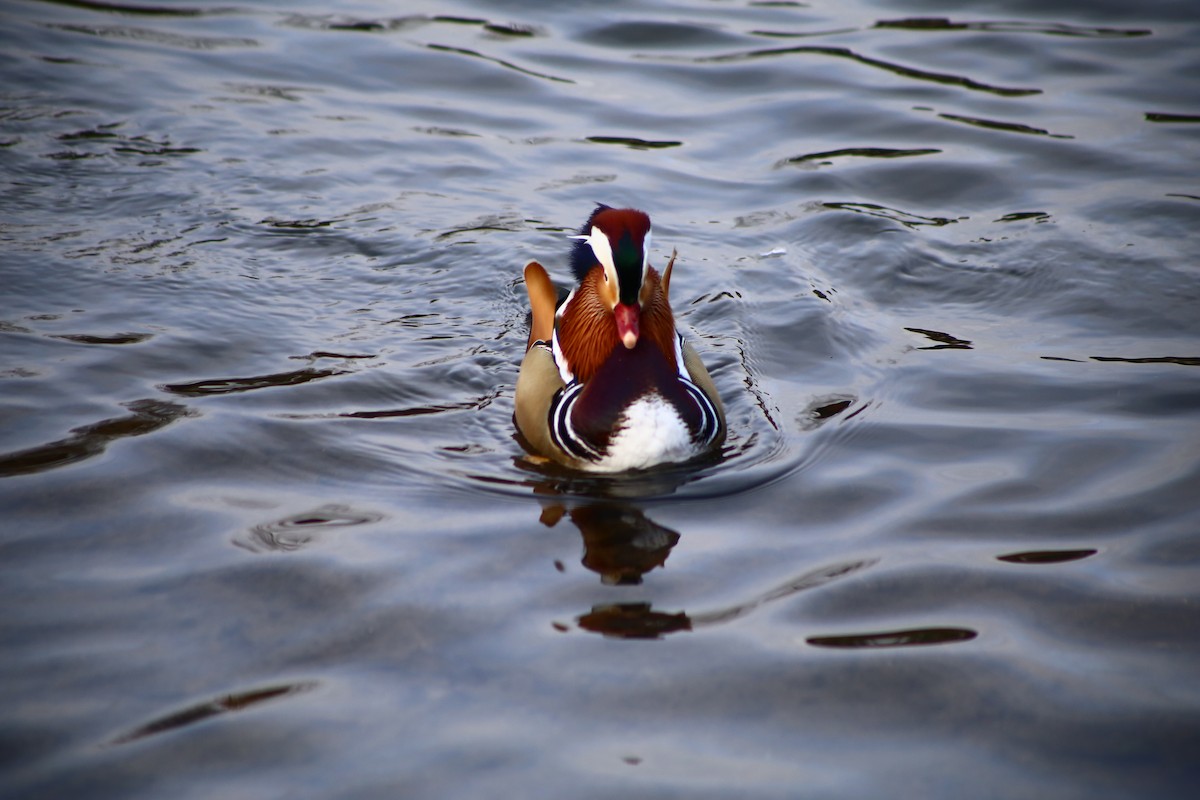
column 265, row 530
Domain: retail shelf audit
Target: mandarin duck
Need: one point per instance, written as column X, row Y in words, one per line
column 607, row 383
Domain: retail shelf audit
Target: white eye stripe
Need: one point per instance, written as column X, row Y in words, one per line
column 603, row 250
column 645, row 256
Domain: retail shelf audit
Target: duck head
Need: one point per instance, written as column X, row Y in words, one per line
column 617, row 239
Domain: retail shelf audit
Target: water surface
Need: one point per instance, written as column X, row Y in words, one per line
column 267, row 532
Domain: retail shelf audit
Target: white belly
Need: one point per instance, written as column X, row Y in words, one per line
column 649, row 432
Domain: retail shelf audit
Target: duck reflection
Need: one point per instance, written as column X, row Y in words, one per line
column 620, row 543
column 633, row 621
column 642, row 621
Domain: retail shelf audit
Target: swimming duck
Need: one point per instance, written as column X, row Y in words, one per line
column 608, row 384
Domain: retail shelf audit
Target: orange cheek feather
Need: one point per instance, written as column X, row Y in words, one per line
column 589, row 330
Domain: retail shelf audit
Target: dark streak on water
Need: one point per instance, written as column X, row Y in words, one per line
column 265, row 526
column 907, row 638
column 198, row 713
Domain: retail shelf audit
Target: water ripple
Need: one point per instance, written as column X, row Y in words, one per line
column 151, row 36
column 91, row 440
column 905, row 218
column 858, row 152
column 1011, row 26
column 1183, row 361
column 216, row 386
column 463, row 51
column 1011, row 127
column 944, row 340
column 1048, row 556
column 115, row 338
column 904, row 638
column 226, row 704
column 896, row 69
column 633, row 142
column 135, row 9
column 642, row 621
column 411, row 411
column 300, row 530
column 951, row 342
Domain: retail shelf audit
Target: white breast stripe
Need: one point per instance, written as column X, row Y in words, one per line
column 710, row 426
column 683, row 373
column 708, row 431
column 562, row 433
column 560, row 361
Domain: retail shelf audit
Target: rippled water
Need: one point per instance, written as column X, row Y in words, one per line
column 267, row 532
